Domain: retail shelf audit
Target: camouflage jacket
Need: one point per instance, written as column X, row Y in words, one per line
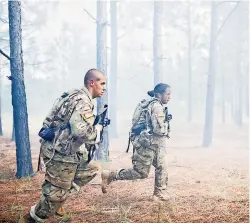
column 81, row 131
column 155, row 120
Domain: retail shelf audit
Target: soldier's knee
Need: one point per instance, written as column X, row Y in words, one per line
column 85, row 175
column 142, row 170
column 142, row 175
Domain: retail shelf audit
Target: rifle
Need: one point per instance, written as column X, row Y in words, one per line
column 100, row 119
column 39, row 161
column 168, row 118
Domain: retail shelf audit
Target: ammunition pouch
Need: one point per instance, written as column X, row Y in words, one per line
column 48, row 133
column 136, row 130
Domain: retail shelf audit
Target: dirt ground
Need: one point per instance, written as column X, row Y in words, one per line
column 205, row 184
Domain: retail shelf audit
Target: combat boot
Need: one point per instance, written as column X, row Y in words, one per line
column 107, row 177
column 27, row 219
column 33, row 218
column 161, row 196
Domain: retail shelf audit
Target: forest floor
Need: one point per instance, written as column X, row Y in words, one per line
column 205, row 184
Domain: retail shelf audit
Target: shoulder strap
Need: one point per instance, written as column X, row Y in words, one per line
column 149, row 102
column 62, row 105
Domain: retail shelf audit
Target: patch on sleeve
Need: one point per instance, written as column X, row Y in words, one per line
column 158, row 110
column 88, row 115
column 159, row 115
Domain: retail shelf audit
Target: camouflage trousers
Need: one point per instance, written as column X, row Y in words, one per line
column 142, row 160
column 60, row 177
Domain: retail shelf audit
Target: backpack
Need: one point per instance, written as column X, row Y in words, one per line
column 58, row 119
column 140, row 114
column 140, row 119
column 62, row 109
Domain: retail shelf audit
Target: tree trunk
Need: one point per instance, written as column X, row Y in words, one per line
column 23, row 153
column 209, row 113
column 113, row 69
column 13, row 138
column 232, row 103
column 189, row 64
column 245, row 56
column 157, row 44
column 247, row 92
column 238, row 73
column 223, row 100
column 101, row 59
column 1, row 129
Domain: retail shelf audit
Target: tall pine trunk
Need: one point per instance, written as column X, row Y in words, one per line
column 209, row 113
column 245, row 54
column 23, row 152
column 238, row 73
column 157, row 42
column 1, row 129
column 101, row 59
column 247, row 91
column 113, row 69
column 13, row 137
column 223, row 100
column 189, row 64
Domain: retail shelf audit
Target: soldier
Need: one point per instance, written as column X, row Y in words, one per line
column 71, row 120
column 148, row 135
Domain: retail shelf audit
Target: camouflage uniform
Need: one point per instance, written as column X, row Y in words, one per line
column 149, row 149
column 66, row 166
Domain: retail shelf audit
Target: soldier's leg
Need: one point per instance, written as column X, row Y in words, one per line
column 161, row 174
column 86, row 171
column 56, row 188
column 53, row 198
column 142, row 160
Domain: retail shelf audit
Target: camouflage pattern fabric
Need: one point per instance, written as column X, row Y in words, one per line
column 58, row 184
column 142, row 160
column 65, row 164
column 150, row 149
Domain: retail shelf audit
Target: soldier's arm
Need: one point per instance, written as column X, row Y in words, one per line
column 81, row 123
column 157, row 118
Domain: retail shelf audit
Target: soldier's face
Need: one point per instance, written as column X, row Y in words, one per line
column 165, row 97
column 99, row 86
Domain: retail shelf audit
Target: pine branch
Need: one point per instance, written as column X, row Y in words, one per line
column 4, row 54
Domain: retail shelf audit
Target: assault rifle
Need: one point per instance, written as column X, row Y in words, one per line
column 168, row 118
column 100, row 119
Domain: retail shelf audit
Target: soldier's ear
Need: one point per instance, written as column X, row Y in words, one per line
column 91, row 82
column 158, row 95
